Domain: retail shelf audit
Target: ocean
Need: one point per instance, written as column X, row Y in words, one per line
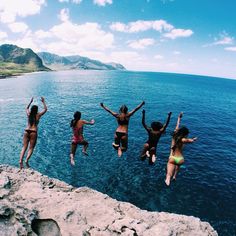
column 206, row 184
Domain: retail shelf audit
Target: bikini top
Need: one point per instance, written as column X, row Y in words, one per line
column 123, row 122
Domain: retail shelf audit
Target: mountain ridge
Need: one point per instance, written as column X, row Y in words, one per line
column 16, row 60
column 56, row 62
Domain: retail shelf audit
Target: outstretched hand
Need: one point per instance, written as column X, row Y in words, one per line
column 101, row 104
column 143, row 103
column 32, row 99
column 195, row 139
column 92, row 121
column 42, row 99
column 181, row 114
column 170, row 113
column 143, row 111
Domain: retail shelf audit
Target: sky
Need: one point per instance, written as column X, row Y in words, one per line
column 177, row 36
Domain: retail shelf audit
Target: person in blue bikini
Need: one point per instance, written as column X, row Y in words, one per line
column 176, row 158
column 121, row 135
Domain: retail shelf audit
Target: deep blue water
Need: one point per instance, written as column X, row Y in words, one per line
column 206, row 185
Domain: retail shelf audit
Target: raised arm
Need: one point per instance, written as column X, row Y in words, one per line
column 178, row 121
column 89, row 122
column 136, row 109
column 108, row 110
column 27, row 108
column 143, row 121
column 44, row 107
column 167, row 122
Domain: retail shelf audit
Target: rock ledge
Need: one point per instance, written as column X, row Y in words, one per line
column 33, row 204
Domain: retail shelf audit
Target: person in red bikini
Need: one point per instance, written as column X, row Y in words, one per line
column 30, row 134
column 78, row 138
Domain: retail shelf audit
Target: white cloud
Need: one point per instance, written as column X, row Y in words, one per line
column 140, row 25
column 3, row 35
column 77, row 1
column 9, row 9
column 233, row 49
column 176, row 33
column 226, row 40
column 41, row 34
column 141, row 43
column 18, row 27
column 73, row 1
column 88, row 35
column 158, row 57
column 64, row 15
column 102, row 2
column 176, row 52
column 222, row 39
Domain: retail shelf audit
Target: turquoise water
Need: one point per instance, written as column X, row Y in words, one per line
column 206, row 185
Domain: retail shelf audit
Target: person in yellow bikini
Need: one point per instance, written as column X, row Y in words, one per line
column 176, row 158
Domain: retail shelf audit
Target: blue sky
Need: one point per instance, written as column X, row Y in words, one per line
column 182, row 36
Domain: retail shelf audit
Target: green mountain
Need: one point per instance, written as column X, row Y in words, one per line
column 15, row 60
column 56, row 62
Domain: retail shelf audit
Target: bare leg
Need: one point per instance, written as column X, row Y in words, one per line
column 119, row 152
column 72, row 153
column 145, row 149
column 170, row 172
column 33, row 140
column 152, row 157
column 177, row 167
column 23, row 150
column 116, row 142
column 124, row 144
column 85, row 143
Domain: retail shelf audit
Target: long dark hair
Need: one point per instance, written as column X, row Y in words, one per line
column 124, row 109
column 32, row 115
column 178, row 135
column 77, row 116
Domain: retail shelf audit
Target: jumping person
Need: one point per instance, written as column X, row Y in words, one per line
column 154, row 134
column 176, row 158
column 31, row 131
column 121, row 135
column 78, row 138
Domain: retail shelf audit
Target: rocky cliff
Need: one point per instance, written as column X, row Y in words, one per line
column 16, row 60
column 32, row 204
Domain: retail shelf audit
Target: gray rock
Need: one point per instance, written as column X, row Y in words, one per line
column 38, row 205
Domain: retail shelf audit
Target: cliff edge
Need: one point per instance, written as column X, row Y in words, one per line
column 33, row 204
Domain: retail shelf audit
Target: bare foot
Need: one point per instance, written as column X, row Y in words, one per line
column 167, row 181
column 27, row 164
column 21, row 165
column 72, row 161
column 85, row 153
column 153, row 158
column 119, row 152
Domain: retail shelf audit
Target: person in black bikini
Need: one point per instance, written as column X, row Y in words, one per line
column 30, row 135
column 154, row 134
column 121, row 136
